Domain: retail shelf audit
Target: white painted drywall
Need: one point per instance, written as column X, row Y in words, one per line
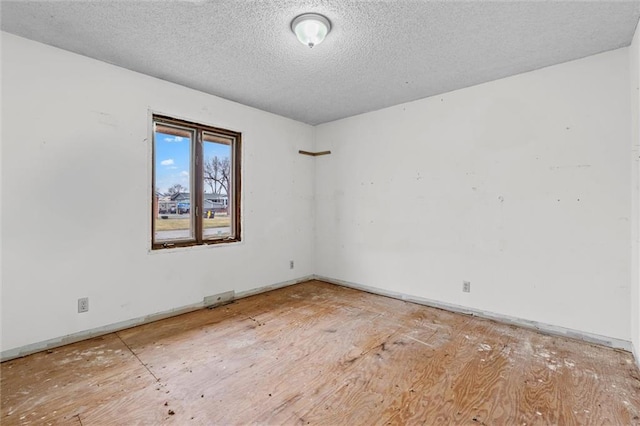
column 520, row 186
column 76, row 188
column 481, row 184
column 634, row 71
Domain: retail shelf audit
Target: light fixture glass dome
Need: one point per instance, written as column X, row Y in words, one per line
column 311, row 28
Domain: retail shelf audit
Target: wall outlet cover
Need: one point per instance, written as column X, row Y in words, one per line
column 83, row 305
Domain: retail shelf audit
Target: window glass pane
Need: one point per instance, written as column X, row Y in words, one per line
column 173, row 177
column 217, row 197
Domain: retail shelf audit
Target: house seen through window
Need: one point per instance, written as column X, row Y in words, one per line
column 196, row 181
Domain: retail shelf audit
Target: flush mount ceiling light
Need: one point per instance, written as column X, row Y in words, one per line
column 311, row 28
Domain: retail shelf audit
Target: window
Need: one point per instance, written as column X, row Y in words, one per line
column 196, row 181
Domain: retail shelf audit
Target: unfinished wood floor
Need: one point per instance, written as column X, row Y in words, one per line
column 316, row 353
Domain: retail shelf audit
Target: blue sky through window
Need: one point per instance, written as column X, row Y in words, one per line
column 172, row 159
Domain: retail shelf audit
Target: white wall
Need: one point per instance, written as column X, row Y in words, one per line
column 76, row 188
column 520, row 186
column 634, row 56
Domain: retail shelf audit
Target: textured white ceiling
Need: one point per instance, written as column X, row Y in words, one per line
column 378, row 54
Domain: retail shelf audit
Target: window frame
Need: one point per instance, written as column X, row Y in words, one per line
column 197, row 184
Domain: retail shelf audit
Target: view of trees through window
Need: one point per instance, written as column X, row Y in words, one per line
column 195, row 200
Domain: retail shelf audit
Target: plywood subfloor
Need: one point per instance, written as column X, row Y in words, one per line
column 316, row 353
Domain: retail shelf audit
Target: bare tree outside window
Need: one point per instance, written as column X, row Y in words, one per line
column 176, row 189
column 216, row 173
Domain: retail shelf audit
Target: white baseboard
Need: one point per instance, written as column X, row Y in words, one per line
column 534, row 325
column 112, row 328
column 264, row 289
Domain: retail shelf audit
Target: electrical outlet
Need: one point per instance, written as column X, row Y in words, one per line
column 83, row 304
column 466, row 286
column 291, row 264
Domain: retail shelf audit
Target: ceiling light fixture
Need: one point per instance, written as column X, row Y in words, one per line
column 311, row 28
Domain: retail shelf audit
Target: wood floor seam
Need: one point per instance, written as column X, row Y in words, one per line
column 137, row 357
